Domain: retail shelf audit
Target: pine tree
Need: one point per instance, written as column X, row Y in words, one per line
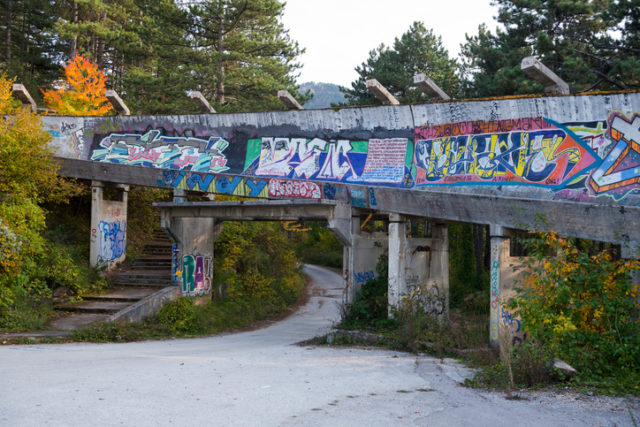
column 575, row 38
column 416, row 51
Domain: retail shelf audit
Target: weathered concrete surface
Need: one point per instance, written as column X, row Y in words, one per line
column 259, row 378
column 146, row 307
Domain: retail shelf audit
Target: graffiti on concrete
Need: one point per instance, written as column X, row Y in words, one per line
column 214, row 183
column 197, row 274
column 619, row 171
column 111, row 235
column 295, row 189
column 152, row 149
column 510, row 320
column 175, row 263
column 494, row 315
column 428, row 298
column 363, row 276
column 533, row 151
column 377, row 160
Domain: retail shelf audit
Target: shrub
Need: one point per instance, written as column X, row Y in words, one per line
column 582, row 308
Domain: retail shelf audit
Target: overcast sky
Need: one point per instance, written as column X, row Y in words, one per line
column 338, row 34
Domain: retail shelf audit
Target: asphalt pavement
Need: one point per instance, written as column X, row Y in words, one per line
column 262, row 378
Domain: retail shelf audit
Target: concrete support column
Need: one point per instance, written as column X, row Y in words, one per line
column 108, row 226
column 179, row 195
column 439, row 267
column 192, row 258
column 498, row 242
column 631, row 252
column 397, row 261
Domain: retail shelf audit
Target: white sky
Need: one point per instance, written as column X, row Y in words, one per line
column 338, row 34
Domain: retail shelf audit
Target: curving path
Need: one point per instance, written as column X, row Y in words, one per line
column 259, row 378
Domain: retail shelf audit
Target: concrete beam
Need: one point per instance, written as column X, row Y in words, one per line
column 288, row 100
column 262, row 210
column 429, row 87
column 551, row 82
column 117, row 102
column 20, row 92
column 381, row 93
column 202, row 102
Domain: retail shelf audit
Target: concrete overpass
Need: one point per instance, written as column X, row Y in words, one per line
column 572, row 160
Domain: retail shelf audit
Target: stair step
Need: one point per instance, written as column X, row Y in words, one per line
column 144, row 284
column 106, row 307
column 123, row 294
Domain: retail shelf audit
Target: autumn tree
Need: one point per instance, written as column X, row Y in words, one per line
column 28, row 177
column 83, row 91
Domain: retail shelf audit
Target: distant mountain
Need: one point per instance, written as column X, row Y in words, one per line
column 324, row 94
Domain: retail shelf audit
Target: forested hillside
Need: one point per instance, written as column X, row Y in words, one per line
column 324, row 95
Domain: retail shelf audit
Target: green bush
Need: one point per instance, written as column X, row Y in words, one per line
column 581, row 308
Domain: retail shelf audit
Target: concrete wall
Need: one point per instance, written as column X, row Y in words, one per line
column 361, row 260
column 578, row 148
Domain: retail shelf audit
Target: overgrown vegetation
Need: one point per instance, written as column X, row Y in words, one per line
column 583, row 309
column 317, row 245
column 31, row 266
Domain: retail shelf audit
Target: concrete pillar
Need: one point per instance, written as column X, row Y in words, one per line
column 439, row 270
column 179, row 195
column 108, row 227
column 192, row 263
column 631, row 252
column 498, row 243
column 397, row 260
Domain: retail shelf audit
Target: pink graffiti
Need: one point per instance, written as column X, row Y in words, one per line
column 143, row 154
column 186, row 160
column 286, row 188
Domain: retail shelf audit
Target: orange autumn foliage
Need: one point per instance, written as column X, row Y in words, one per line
column 83, row 92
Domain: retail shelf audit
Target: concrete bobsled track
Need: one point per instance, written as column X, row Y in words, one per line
column 260, row 378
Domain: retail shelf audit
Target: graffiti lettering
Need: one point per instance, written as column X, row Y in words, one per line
column 509, row 320
column 620, row 169
column 155, row 150
column 196, row 274
column 549, row 157
column 362, row 276
column 218, row 184
column 298, row 189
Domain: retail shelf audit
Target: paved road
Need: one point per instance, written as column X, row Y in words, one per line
column 260, row 378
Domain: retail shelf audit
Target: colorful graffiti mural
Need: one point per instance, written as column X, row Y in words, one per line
column 619, row 171
column 111, row 235
column 214, row 183
column 534, row 151
column 152, row 149
column 381, row 161
column 197, row 274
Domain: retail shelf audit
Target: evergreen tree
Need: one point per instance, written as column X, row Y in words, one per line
column 416, row 51
column 246, row 55
column 29, row 49
column 575, row 38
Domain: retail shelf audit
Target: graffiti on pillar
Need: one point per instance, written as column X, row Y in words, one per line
column 214, row 183
column 495, row 292
column 111, row 235
column 428, row 298
column 531, row 151
column 152, row 149
column 358, row 197
column 619, row 172
column 295, row 189
column 382, row 161
column 197, row 274
column 175, row 263
column 363, row 276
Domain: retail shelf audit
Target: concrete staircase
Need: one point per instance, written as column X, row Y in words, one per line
column 147, row 276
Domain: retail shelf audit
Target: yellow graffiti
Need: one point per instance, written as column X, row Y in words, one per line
column 294, row 226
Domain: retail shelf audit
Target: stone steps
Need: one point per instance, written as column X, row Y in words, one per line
column 147, row 275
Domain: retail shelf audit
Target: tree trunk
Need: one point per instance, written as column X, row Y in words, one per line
column 7, row 37
column 74, row 39
column 220, row 86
